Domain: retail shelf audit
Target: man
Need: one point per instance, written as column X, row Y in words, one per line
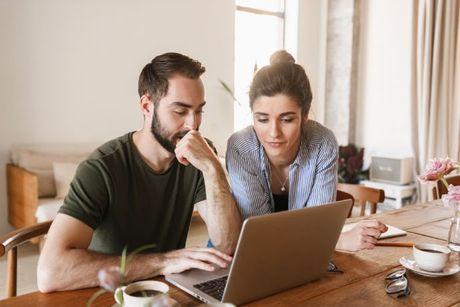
column 141, row 188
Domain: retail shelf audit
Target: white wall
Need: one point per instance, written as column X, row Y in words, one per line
column 69, row 69
column 383, row 106
column 383, row 109
column 311, row 52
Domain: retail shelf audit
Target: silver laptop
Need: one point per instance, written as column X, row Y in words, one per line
column 275, row 252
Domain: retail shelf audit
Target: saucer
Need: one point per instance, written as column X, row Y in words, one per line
column 409, row 263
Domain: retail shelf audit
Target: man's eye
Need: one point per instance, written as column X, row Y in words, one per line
column 287, row 120
column 262, row 120
column 200, row 112
column 181, row 113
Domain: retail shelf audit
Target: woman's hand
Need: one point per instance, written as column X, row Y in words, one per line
column 363, row 236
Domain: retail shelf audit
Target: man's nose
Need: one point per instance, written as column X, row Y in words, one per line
column 191, row 123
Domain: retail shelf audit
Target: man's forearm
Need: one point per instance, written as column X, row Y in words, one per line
column 78, row 268
column 222, row 216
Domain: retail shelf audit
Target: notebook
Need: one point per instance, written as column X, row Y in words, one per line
column 391, row 232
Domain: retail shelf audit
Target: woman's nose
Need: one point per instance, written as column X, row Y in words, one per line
column 274, row 129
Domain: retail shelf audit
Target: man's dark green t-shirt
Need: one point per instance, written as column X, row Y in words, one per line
column 127, row 204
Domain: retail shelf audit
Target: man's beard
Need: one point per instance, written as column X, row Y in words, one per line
column 161, row 136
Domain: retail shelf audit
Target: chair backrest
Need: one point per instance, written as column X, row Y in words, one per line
column 441, row 189
column 362, row 195
column 9, row 244
column 341, row 195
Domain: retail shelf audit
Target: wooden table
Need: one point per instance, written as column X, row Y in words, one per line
column 361, row 284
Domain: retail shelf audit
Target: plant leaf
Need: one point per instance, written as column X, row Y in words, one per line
column 138, row 250
column 229, row 91
column 123, row 260
column 95, row 296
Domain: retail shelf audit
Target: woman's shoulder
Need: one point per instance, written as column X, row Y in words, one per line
column 318, row 134
column 244, row 140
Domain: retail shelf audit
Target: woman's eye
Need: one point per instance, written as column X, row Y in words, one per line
column 287, row 120
column 262, row 120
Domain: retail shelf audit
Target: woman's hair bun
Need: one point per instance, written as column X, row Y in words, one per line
column 281, row 56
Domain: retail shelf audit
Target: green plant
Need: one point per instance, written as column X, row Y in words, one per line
column 112, row 277
column 229, row 91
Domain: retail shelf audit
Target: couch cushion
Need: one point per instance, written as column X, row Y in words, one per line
column 40, row 161
column 47, row 209
column 63, row 175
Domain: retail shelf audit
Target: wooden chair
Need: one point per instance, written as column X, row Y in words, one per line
column 9, row 244
column 441, row 189
column 341, row 195
column 363, row 194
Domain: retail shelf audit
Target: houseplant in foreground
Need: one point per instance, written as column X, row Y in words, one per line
column 114, row 277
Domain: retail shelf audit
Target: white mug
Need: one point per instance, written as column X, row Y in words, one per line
column 134, row 301
column 431, row 257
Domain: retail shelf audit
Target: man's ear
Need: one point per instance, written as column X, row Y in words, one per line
column 146, row 106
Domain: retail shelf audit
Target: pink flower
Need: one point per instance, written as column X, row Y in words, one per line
column 110, row 278
column 453, row 194
column 437, row 169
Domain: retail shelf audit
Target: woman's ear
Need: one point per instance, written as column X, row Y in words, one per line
column 305, row 117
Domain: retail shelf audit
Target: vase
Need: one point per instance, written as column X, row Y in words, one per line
column 453, row 239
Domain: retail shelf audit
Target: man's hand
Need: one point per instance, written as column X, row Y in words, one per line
column 363, row 236
column 194, row 149
column 194, row 258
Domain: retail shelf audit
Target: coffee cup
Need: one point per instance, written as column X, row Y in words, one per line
column 431, row 257
column 141, row 293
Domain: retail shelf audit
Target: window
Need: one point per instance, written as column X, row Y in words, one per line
column 259, row 31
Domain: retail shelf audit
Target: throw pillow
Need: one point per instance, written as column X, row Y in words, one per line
column 63, row 175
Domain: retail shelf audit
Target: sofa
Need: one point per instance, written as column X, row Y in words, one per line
column 38, row 178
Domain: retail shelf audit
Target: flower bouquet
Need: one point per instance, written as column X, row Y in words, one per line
column 435, row 170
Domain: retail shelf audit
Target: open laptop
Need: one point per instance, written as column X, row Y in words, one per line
column 275, row 252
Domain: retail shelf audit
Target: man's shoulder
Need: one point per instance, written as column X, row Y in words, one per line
column 107, row 156
column 244, row 141
column 111, row 147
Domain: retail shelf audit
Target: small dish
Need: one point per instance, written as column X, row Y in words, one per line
column 409, row 263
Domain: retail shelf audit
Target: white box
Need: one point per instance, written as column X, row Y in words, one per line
column 396, row 196
column 394, row 170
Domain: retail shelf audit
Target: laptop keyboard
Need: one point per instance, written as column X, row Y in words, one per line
column 214, row 287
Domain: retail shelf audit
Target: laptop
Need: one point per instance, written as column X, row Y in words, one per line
column 275, row 252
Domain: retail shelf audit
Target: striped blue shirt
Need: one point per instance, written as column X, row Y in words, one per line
column 312, row 175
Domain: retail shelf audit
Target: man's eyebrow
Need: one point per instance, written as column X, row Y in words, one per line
column 185, row 105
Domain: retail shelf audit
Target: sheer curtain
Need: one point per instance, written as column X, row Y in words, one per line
column 436, row 83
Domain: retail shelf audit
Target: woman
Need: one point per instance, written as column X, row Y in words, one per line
column 285, row 161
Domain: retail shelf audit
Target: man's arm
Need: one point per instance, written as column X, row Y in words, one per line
column 219, row 211
column 65, row 262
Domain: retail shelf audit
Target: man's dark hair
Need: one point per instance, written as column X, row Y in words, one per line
column 153, row 80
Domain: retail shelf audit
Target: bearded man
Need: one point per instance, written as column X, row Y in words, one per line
column 141, row 188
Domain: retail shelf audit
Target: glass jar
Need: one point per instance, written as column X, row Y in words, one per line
column 453, row 239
